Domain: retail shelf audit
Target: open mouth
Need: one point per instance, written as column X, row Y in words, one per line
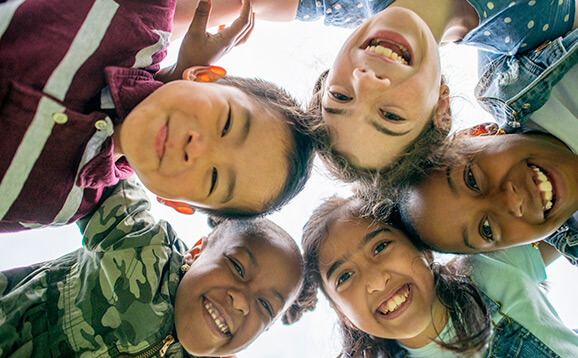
column 545, row 187
column 217, row 317
column 391, row 50
column 396, row 303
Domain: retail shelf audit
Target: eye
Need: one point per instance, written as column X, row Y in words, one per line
column 267, row 307
column 340, row 96
column 470, row 179
column 486, row 230
column 237, row 267
column 391, row 117
column 227, row 124
column 343, row 277
column 380, row 247
column 214, row 178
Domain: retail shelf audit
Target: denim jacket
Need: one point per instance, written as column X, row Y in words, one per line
column 510, row 339
column 514, row 87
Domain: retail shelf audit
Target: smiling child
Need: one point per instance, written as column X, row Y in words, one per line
column 134, row 287
column 393, row 300
column 91, row 112
column 501, row 191
column 383, row 107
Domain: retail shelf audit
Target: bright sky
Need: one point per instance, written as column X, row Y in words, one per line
column 293, row 55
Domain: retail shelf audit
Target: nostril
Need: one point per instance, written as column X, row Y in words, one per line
column 189, row 139
column 186, row 157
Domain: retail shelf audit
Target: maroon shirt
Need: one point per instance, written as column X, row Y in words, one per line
column 56, row 154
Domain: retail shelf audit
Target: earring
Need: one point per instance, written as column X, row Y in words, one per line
column 185, row 267
column 535, row 244
column 446, row 92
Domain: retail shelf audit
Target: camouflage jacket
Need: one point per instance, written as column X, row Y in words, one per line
column 113, row 297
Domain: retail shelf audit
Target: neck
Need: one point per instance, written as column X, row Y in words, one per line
column 448, row 20
column 437, row 324
column 116, row 148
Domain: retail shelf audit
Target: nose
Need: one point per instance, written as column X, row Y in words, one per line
column 376, row 280
column 509, row 200
column 195, row 147
column 239, row 301
column 365, row 78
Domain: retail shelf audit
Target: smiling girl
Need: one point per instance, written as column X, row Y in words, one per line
column 393, row 300
column 496, row 192
column 382, row 106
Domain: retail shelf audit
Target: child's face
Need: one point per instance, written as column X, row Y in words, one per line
column 373, row 104
column 377, row 279
column 499, row 198
column 245, row 283
column 207, row 144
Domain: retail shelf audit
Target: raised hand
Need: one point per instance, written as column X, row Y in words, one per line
column 202, row 48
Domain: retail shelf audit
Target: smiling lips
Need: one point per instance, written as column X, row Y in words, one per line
column 545, row 187
column 391, row 50
column 392, row 304
column 217, row 317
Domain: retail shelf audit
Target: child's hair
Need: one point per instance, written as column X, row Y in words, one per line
column 300, row 154
column 415, row 157
column 464, row 303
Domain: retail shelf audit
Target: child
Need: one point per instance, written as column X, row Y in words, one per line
column 393, row 300
column 495, row 192
column 383, row 106
column 64, row 139
column 135, row 287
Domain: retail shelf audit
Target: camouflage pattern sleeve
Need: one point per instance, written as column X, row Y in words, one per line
column 122, row 221
column 113, row 297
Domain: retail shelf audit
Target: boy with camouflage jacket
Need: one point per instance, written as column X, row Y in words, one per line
column 127, row 292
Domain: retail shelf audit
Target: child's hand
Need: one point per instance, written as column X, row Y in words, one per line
column 202, row 48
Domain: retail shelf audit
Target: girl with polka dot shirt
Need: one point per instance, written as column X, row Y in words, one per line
column 383, row 108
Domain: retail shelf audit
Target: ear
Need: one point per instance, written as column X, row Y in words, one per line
column 443, row 111
column 429, row 256
column 203, row 73
column 195, row 251
column 179, row 206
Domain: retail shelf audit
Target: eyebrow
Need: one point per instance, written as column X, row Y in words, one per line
column 451, row 183
column 465, row 235
column 374, row 124
column 466, row 238
column 368, row 237
column 250, row 254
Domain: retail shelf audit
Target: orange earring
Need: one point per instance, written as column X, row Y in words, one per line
column 177, row 205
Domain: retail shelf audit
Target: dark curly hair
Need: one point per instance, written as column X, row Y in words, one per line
column 463, row 302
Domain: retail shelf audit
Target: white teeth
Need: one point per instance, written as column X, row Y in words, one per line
column 396, row 301
column 221, row 324
column 544, row 186
column 387, row 52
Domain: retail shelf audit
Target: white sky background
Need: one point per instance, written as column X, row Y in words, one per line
column 293, row 55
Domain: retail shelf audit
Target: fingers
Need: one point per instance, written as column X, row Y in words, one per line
column 244, row 37
column 241, row 27
column 201, row 19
